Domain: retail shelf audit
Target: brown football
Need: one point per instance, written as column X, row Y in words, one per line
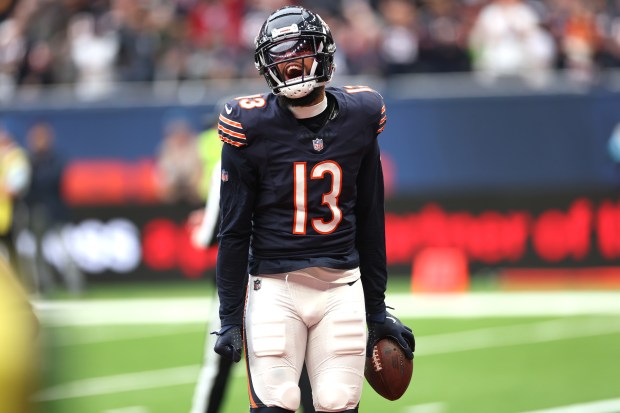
column 388, row 371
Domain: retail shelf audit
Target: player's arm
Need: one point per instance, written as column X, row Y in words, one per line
column 370, row 242
column 370, row 235
column 237, row 196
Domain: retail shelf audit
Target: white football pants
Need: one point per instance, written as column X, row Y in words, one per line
column 316, row 314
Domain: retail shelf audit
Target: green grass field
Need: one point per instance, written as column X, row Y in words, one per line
column 513, row 354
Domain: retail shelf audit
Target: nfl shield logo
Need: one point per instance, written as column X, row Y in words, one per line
column 317, row 144
column 257, row 283
column 224, row 175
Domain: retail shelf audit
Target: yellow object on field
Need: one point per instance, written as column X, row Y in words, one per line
column 18, row 355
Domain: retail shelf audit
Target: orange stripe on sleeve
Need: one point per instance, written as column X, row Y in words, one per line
column 230, row 141
column 231, row 133
column 230, row 122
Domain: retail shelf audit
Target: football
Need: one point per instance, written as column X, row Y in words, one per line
column 388, row 371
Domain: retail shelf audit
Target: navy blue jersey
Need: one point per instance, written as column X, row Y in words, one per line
column 292, row 198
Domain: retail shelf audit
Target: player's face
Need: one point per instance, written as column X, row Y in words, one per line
column 295, row 57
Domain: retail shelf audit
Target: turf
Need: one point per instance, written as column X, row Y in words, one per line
column 512, row 377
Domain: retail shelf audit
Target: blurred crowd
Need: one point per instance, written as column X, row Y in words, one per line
column 92, row 43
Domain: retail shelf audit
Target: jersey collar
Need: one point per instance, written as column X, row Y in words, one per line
column 305, row 112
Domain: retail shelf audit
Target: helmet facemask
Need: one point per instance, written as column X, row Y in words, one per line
column 295, row 67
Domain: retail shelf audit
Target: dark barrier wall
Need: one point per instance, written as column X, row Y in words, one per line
column 127, row 133
column 521, row 181
column 502, row 144
column 486, row 144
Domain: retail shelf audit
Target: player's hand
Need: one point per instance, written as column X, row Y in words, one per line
column 229, row 342
column 393, row 328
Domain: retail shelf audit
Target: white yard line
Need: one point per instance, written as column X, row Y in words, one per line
column 131, row 409
column 601, row 406
column 197, row 310
column 503, row 336
column 437, row 407
column 121, row 383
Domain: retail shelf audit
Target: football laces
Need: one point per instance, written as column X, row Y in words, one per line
column 376, row 361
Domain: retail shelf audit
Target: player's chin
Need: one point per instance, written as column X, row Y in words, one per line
column 304, row 100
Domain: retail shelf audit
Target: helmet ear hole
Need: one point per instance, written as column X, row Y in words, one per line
column 291, row 34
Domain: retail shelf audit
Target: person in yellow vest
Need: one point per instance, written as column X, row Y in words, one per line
column 209, row 151
column 15, row 175
column 18, row 355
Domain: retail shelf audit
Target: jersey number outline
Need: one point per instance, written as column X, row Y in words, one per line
column 251, row 102
column 357, row 89
column 329, row 198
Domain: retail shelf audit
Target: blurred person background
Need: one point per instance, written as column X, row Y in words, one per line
column 179, row 163
column 48, row 215
column 503, row 194
column 15, row 175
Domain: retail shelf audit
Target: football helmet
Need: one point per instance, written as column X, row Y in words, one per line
column 294, row 52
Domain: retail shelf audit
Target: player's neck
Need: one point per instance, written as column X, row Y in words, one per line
column 305, row 112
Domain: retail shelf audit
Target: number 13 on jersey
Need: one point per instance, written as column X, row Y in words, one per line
column 330, row 199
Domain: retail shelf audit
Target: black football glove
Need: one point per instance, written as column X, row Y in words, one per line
column 229, row 342
column 393, row 328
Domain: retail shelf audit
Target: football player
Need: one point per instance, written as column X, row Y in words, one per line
column 302, row 210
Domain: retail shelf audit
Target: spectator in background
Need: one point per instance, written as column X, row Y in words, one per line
column 12, row 51
column 607, row 17
column 580, row 40
column 358, row 38
column 178, row 164
column 443, row 43
column 507, row 40
column 45, row 61
column 14, row 180
column 48, row 213
column 138, row 41
column 400, row 39
column 94, row 47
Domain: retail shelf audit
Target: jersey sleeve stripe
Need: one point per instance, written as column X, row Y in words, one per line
column 382, row 120
column 230, row 122
column 230, row 132
column 382, row 109
column 380, row 129
column 231, row 142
